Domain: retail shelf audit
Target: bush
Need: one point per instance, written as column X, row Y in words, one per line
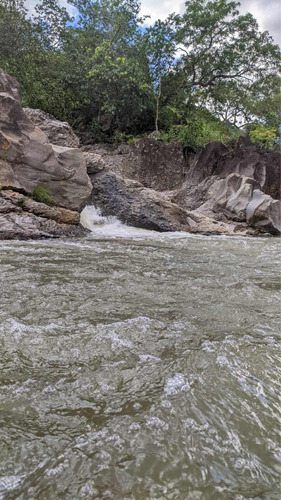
column 200, row 128
column 263, row 136
column 42, row 195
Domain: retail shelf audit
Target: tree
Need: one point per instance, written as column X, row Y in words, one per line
column 16, row 35
column 120, row 91
column 105, row 49
column 219, row 45
column 160, row 48
column 51, row 22
column 104, row 71
column 113, row 21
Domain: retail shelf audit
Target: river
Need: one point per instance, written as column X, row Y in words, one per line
column 138, row 366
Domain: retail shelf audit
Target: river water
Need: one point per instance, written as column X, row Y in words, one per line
column 137, row 365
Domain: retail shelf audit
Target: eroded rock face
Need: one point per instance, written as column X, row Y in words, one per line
column 136, row 205
column 263, row 212
column 156, row 165
column 240, row 157
column 28, row 159
column 59, row 133
column 224, row 189
column 242, row 196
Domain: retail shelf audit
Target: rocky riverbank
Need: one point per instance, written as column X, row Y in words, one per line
column 28, row 160
column 231, row 189
column 222, row 189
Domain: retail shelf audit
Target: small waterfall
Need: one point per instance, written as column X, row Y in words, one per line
column 111, row 226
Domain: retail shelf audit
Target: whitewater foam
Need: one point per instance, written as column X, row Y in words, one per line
column 112, row 227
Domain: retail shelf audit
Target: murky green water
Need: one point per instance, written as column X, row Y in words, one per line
column 140, row 367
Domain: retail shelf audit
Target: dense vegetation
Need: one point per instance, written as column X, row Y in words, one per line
column 194, row 77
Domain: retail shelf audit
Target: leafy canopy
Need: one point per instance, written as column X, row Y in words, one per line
column 108, row 72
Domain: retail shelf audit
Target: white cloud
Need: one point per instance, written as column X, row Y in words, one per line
column 268, row 15
column 159, row 9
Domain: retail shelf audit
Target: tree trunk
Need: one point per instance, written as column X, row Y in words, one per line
column 158, row 105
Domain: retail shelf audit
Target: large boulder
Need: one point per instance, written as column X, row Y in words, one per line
column 136, row 205
column 28, row 159
column 58, row 132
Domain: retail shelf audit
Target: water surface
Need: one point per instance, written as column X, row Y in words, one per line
column 140, row 366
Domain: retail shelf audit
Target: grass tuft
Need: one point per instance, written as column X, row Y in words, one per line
column 43, row 195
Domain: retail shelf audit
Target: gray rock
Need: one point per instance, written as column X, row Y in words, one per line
column 26, row 226
column 156, row 165
column 136, row 205
column 28, row 159
column 242, row 197
column 263, row 212
column 234, row 193
column 59, row 133
column 94, row 162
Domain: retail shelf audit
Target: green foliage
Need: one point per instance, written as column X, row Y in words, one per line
column 201, row 128
column 263, row 135
column 120, row 137
column 42, row 195
column 219, row 44
column 107, row 74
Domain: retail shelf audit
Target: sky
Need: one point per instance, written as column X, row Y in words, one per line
column 267, row 12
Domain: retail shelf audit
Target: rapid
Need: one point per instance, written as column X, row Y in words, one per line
column 137, row 365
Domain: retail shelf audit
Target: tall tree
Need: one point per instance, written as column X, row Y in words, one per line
column 220, row 45
column 160, row 48
column 106, row 50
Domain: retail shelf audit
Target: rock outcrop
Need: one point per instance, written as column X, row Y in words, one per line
column 229, row 188
column 58, row 132
column 146, row 208
column 24, row 218
column 223, row 189
column 240, row 157
column 146, row 161
column 136, row 205
column 28, row 160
